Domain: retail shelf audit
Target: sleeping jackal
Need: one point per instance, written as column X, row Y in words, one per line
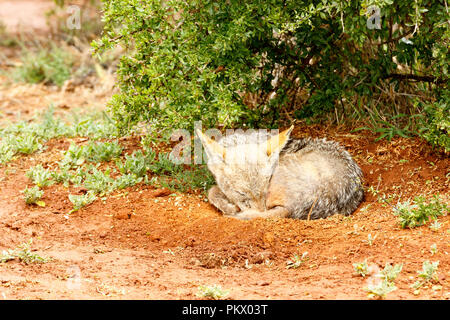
column 259, row 175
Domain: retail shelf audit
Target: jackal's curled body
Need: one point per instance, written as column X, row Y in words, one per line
column 259, row 175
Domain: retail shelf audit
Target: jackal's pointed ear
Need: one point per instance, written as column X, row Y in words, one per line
column 211, row 146
column 276, row 143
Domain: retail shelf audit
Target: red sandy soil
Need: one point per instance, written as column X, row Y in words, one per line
column 145, row 243
column 156, row 244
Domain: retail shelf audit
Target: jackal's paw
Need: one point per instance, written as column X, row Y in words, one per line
column 247, row 214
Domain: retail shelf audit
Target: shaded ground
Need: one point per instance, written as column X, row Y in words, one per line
column 145, row 243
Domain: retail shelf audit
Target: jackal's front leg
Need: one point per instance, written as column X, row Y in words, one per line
column 218, row 199
column 277, row 212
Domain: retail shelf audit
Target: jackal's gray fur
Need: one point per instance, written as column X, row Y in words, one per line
column 302, row 179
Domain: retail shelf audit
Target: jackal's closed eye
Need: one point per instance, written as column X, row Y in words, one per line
column 243, row 195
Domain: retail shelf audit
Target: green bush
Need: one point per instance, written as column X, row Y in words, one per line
column 436, row 123
column 258, row 62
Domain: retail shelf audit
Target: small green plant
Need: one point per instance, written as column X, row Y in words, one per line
column 197, row 177
column 361, row 268
column 137, row 164
column 73, row 156
column 433, row 249
column 33, row 196
column 22, row 253
column 102, row 151
column 436, row 225
column 99, row 182
column 80, row 201
column 126, row 180
column 296, row 261
column 74, row 176
column 427, row 275
column 380, row 289
column 6, row 153
column 419, row 212
column 370, row 239
column 26, row 143
column 63, row 175
column 163, row 165
column 41, row 177
column 373, row 191
column 93, row 152
column 212, row 292
column 169, row 251
column 385, row 283
column 429, row 271
column 390, row 273
column 387, row 199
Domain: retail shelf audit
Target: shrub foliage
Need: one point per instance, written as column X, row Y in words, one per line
column 259, row 62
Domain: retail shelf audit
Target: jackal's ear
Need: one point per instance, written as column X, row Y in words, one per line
column 211, row 146
column 276, row 143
